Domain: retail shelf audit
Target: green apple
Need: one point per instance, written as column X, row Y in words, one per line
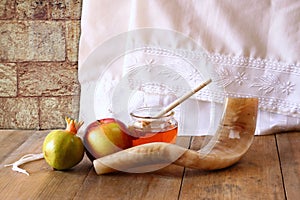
column 106, row 136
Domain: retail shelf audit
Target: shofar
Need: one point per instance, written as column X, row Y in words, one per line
column 231, row 141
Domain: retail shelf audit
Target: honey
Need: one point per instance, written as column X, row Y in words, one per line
column 147, row 128
column 168, row 136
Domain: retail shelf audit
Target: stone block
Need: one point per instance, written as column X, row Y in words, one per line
column 19, row 113
column 8, row 80
column 66, row 9
column 7, row 9
column 32, row 41
column 32, row 9
column 47, row 79
column 53, row 111
column 72, row 38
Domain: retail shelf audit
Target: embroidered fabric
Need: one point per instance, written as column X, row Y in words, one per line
column 273, row 82
column 234, row 76
column 137, row 71
column 247, row 56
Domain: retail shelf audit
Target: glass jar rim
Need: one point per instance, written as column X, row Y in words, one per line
column 157, row 108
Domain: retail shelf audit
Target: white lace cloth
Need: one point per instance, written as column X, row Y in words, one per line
column 252, row 47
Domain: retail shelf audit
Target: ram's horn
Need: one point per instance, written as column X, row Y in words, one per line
column 231, row 141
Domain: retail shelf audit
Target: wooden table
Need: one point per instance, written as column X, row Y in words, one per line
column 269, row 170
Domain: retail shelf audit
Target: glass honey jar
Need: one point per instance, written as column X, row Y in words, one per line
column 146, row 127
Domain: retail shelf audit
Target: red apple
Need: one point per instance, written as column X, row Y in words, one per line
column 106, row 136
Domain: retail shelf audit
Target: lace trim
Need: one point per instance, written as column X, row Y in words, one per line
column 275, row 83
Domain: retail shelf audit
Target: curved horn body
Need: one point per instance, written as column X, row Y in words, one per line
column 231, row 141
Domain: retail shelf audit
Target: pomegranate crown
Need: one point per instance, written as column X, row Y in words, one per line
column 72, row 125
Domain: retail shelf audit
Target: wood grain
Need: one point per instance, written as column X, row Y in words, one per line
column 256, row 176
column 265, row 172
column 43, row 182
column 289, row 151
column 10, row 140
column 162, row 184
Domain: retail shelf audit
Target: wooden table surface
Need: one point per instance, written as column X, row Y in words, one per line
column 269, row 170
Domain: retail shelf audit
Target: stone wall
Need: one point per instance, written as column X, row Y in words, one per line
column 38, row 63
